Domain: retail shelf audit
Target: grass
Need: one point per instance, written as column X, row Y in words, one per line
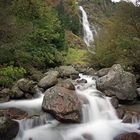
column 76, row 56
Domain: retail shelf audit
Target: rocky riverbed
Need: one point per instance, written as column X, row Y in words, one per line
column 59, row 96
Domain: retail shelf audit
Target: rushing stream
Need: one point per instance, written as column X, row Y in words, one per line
column 100, row 121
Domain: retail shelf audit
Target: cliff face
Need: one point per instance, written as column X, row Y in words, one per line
column 97, row 10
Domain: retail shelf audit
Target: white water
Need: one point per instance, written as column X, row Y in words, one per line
column 32, row 106
column 88, row 35
column 99, row 119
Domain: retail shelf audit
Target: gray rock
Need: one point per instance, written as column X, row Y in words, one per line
column 67, row 84
column 14, row 113
column 80, row 81
column 128, row 136
column 4, row 95
column 48, row 81
column 114, row 102
column 63, row 104
column 53, row 72
column 118, row 83
column 27, row 86
column 68, row 71
column 16, row 93
column 120, row 113
column 90, row 71
column 102, row 72
column 8, row 128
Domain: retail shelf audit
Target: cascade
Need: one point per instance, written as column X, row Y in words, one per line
column 100, row 121
column 88, row 33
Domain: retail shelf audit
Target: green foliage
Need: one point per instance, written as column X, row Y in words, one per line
column 33, row 35
column 28, row 9
column 10, row 74
column 120, row 39
column 46, row 44
column 75, row 56
column 70, row 20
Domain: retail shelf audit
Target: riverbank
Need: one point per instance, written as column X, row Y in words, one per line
column 55, row 94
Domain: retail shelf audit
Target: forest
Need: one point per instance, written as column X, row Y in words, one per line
column 69, row 70
column 39, row 34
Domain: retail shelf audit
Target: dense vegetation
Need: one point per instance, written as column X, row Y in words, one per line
column 37, row 34
column 32, row 34
column 119, row 41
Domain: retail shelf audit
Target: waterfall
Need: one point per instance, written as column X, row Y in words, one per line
column 88, row 34
column 100, row 121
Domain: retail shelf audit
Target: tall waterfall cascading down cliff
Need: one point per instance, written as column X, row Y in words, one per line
column 100, row 121
column 88, row 33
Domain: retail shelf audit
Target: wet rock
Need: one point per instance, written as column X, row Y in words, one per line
column 138, row 93
column 14, row 113
column 27, row 86
column 81, row 68
column 114, row 102
column 88, row 136
column 102, row 72
column 16, row 93
column 68, row 71
column 48, row 81
column 131, row 117
column 8, row 128
column 128, row 136
column 120, row 113
column 67, row 84
column 63, row 104
column 81, row 81
column 118, row 83
column 4, row 95
column 83, row 99
column 127, row 119
column 90, row 71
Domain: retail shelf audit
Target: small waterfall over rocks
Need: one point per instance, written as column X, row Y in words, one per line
column 100, row 121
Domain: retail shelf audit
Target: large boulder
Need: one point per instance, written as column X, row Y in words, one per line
column 63, row 104
column 48, row 81
column 102, row 72
column 23, row 88
column 4, row 95
column 90, row 71
column 128, row 136
column 16, row 93
column 8, row 128
column 27, row 86
column 68, row 71
column 118, row 83
column 53, row 72
column 67, row 84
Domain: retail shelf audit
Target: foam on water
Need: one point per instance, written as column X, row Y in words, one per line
column 100, row 121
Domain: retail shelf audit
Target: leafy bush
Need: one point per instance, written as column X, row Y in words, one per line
column 119, row 41
column 10, row 74
column 33, row 35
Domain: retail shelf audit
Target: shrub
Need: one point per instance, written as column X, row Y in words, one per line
column 10, row 74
